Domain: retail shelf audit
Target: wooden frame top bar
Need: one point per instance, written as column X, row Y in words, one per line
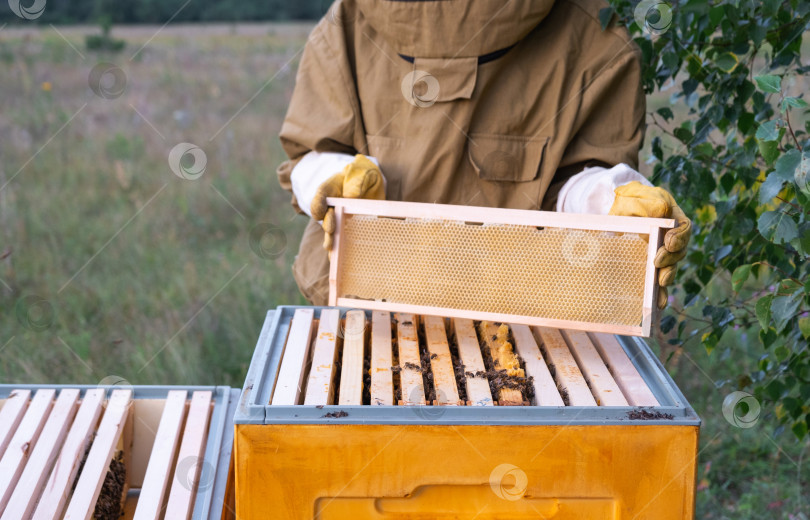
column 484, row 215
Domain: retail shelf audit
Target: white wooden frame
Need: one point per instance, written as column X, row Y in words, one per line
column 653, row 227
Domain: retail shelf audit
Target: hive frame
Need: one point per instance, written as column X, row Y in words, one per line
column 653, row 227
column 209, row 501
column 254, row 407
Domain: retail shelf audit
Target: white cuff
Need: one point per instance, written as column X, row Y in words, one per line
column 591, row 190
column 312, row 170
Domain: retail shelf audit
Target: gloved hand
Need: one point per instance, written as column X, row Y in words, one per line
column 637, row 200
column 360, row 179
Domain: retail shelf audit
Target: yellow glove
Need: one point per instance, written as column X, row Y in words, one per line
column 637, row 200
column 360, row 179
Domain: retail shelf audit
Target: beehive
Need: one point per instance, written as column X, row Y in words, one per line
column 364, row 414
column 584, row 272
column 108, row 452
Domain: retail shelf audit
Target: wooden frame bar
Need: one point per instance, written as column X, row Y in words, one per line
column 601, row 383
column 469, row 351
column 413, row 390
column 545, row 390
column 441, row 363
column 566, row 372
column 624, row 372
column 296, row 350
column 58, row 487
column 382, row 381
column 351, row 370
column 29, row 485
column 320, row 387
column 389, row 208
column 506, row 396
column 647, row 226
column 23, row 442
column 156, row 479
column 84, row 498
column 10, row 416
column 181, row 497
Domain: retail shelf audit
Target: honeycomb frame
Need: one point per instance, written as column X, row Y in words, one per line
column 562, row 270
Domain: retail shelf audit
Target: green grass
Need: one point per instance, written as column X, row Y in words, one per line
column 152, row 278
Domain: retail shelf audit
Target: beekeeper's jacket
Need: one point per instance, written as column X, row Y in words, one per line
column 475, row 102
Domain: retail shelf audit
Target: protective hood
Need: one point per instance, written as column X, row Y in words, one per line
column 453, row 28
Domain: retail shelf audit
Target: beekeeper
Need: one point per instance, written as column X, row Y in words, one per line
column 523, row 104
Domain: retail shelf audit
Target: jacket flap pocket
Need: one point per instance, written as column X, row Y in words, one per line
column 506, row 158
column 440, row 80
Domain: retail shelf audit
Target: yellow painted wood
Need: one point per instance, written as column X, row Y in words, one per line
column 595, row 472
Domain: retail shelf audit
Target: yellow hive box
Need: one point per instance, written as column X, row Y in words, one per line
column 630, row 454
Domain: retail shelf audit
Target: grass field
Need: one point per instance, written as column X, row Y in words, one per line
column 113, row 265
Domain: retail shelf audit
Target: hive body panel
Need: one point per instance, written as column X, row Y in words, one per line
column 563, row 454
column 297, row 472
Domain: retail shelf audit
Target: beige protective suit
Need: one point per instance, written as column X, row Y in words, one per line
column 474, row 102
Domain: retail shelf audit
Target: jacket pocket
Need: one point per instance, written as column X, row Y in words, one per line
column 505, row 158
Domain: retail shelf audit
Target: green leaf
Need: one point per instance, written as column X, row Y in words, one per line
column 667, row 323
column 716, row 14
column 799, row 429
column 683, row 135
column 801, row 176
column 727, row 62
column 785, row 167
column 605, row 16
column 723, row 252
column 767, row 337
column 788, row 286
column 777, row 226
column 793, row 102
column 666, row 113
column 770, row 188
column 769, row 83
column 768, row 131
column 784, row 307
column 740, row 276
column 745, row 122
column 763, row 310
column 710, row 341
column 769, row 150
column 804, row 327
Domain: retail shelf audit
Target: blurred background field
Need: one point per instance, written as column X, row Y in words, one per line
column 113, row 265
